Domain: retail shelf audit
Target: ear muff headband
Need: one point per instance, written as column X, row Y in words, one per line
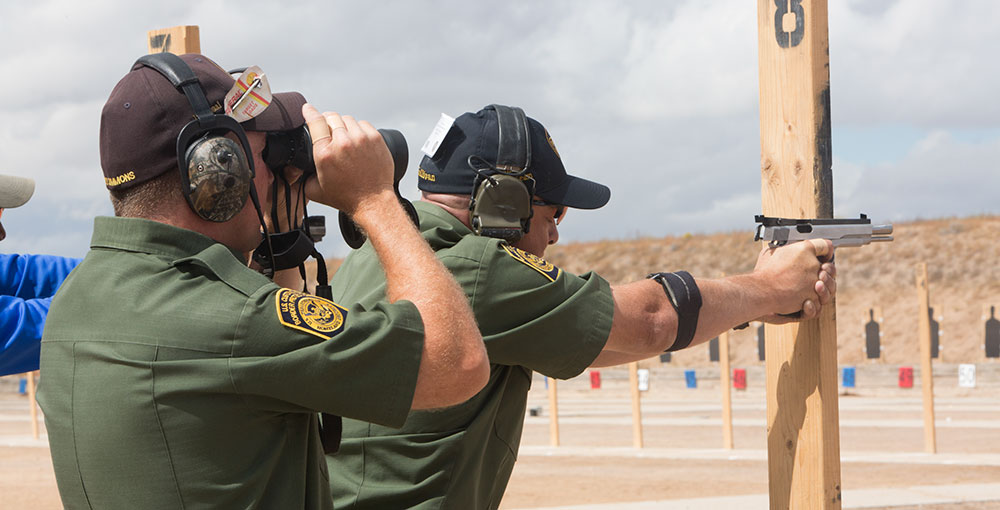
column 216, row 172
column 501, row 197
column 514, row 144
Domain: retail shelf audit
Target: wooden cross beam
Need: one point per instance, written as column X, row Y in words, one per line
column 803, row 437
column 177, row 40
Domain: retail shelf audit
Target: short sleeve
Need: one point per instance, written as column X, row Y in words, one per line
column 298, row 351
column 534, row 314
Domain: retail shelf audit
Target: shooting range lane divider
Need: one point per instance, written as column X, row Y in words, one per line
column 796, row 176
column 725, row 390
column 633, row 378
column 926, row 363
column 32, row 404
column 550, row 384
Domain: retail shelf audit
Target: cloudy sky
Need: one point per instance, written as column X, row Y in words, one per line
column 657, row 99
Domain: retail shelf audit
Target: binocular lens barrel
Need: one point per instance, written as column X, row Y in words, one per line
column 294, row 148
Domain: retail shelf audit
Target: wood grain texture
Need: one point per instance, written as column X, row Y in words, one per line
column 33, row 410
column 633, row 381
column 726, row 387
column 796, row 182
column 178, row 40
column 553, row 412
column 926, row 365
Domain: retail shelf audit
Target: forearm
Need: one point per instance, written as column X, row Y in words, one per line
column 784, row 281
column 729, row 302
column 645, row 322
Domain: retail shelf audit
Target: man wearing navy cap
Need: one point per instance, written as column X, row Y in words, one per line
column 494, row 192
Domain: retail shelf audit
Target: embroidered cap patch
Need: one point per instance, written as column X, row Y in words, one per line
column 537, row 263
column 309, row 313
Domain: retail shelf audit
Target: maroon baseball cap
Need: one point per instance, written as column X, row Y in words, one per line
column 145, row 113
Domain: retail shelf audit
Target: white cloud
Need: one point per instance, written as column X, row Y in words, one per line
column 656, row 99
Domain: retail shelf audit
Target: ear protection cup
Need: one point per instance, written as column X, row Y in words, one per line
column 501, row 208
column 501, row 196
column 218, row 178
column 216, row 174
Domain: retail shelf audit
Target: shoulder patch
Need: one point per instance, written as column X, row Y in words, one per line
column 305, row 312
column 537, row 263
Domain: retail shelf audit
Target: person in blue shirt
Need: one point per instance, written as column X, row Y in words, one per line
column 27, row 284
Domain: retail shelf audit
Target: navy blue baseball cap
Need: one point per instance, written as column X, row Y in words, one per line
column 476, row 134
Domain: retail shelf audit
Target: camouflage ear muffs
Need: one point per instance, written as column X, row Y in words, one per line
column 216, row 174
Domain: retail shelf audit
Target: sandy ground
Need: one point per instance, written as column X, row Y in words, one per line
column 597, row 464
column 880, row 420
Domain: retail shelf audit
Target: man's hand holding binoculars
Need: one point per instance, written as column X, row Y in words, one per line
column 353, row 164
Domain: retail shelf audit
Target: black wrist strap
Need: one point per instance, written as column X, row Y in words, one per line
column 684, row 296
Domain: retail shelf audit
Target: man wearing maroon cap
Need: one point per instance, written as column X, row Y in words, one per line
column 494, row 192
column 177, row 377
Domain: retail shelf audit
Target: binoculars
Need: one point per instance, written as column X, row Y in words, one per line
column 294, row 148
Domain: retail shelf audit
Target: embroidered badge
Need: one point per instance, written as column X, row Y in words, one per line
column 308, row 313
column 537, row 263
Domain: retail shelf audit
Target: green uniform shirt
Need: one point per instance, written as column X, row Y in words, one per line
column 176, row 377
column 533, row 316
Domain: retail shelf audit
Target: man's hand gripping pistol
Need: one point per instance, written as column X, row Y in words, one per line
column 853, row 232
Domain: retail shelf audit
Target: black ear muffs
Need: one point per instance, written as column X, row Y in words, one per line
column 501, row 195
column 501, row 208
column 216, row 172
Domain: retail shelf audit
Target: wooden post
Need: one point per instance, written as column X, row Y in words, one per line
column 926, row 367
column 726, row 386
column 796, row 182
column 178, row 40
column 33, row 407
column 553, row 413
column 633, row 381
